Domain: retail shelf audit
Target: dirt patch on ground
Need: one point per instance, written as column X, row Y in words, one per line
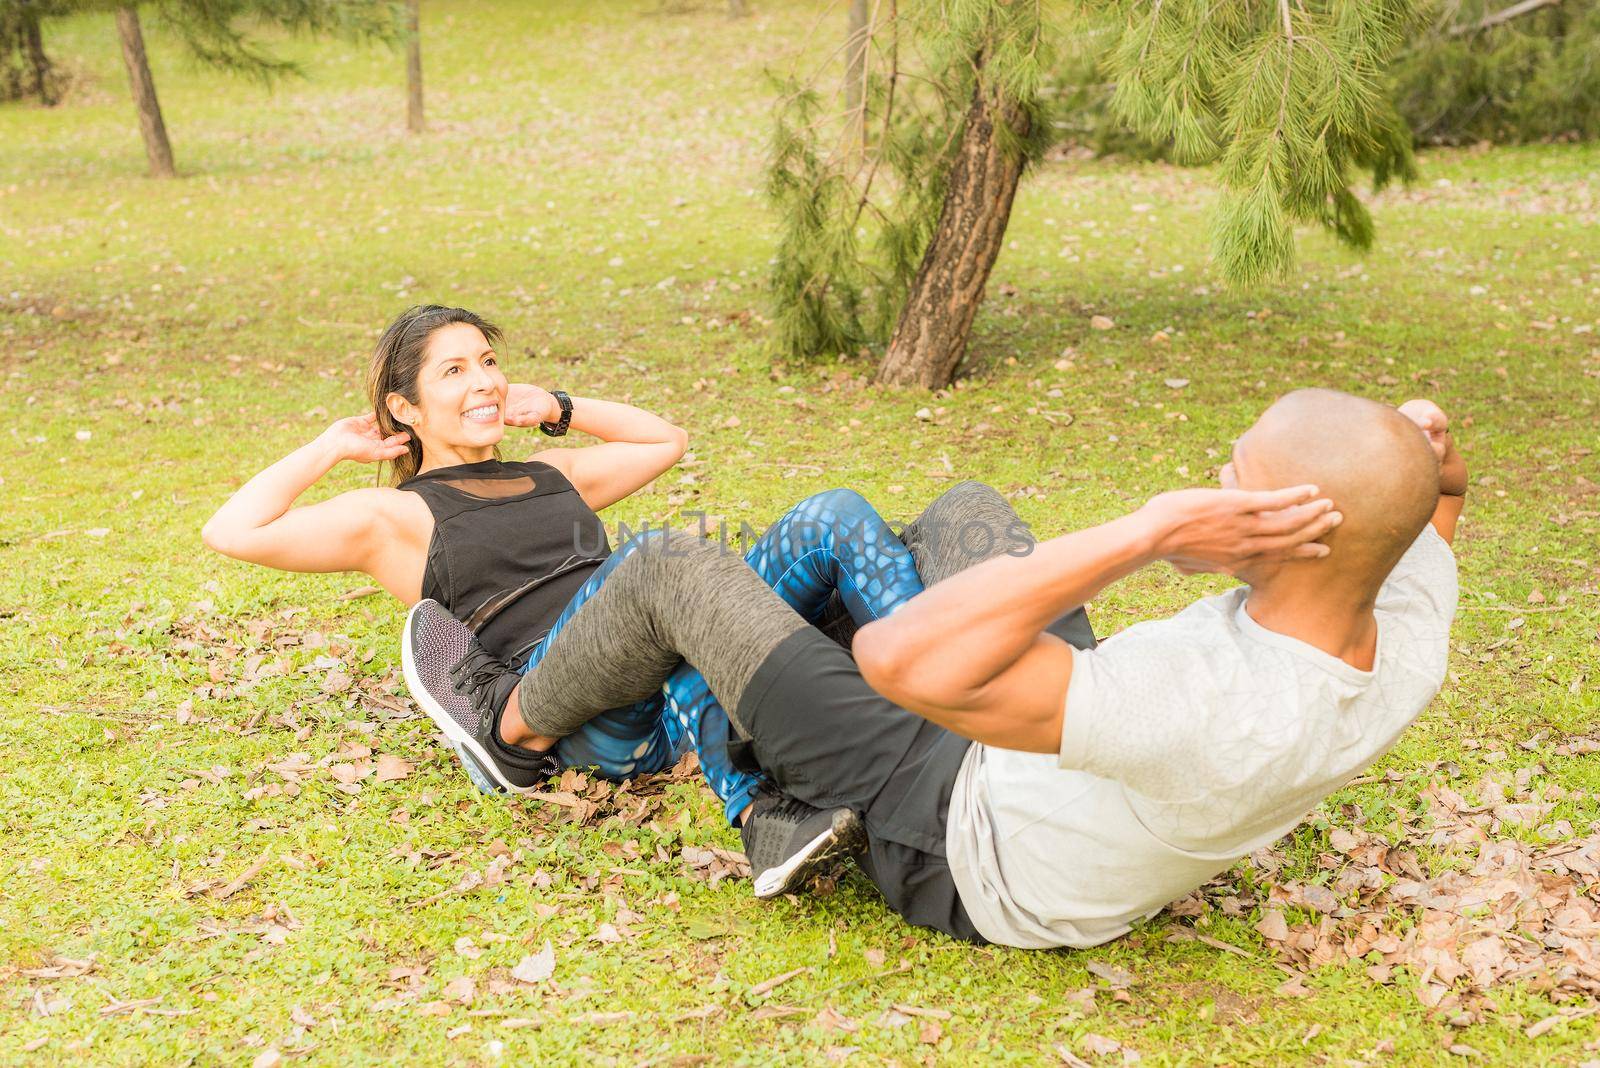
column 1228, row 1006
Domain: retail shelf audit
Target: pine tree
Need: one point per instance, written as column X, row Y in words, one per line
column 1288, row 98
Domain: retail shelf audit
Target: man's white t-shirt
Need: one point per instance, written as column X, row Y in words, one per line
column 1187, row 743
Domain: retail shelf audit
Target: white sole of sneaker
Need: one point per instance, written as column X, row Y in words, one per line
column 831, row 844
column 465, row 744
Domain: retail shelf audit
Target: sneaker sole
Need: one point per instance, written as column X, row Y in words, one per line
column 466, row 745
column 845, row 837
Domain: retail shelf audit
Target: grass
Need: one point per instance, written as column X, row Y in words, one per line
column 592, row 182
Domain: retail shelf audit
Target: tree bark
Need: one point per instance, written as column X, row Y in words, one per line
column 931, row 337
column 415, row 122
column 151, row 125
column 857, row 35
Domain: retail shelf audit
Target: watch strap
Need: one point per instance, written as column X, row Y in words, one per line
column 559, row 427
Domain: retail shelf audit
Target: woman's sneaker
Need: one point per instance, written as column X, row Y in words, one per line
column 788, row 841
column 463, row 689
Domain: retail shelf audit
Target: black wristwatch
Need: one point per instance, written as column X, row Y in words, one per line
column 559, row 427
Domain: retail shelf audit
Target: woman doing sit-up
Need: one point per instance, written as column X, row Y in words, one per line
column 514, row 548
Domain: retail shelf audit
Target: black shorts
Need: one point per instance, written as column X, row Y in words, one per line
column 826, row 737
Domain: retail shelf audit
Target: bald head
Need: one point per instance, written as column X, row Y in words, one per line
column 1373, row 462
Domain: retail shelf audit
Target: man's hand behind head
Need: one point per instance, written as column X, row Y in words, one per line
column 1226, row 530
column 1436, row 425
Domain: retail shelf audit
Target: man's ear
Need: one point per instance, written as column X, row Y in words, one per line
column 404, row 412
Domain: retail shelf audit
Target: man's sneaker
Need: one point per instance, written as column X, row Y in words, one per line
column 788, row 841
column 463, row 689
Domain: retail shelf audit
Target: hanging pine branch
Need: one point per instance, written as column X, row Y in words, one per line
column 1289, row 97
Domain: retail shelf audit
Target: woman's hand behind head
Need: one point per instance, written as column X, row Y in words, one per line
column 530, row 406
column 358, row 438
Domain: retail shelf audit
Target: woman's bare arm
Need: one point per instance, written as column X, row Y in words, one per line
column 260, row 525
column 637, row 446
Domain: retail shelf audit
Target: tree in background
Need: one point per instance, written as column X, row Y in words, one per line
column 221, row 34
column 414, row 118
column 152, row 124
column 895, row 248
column 1484, row 71
column 25, row 69
column 858, row 32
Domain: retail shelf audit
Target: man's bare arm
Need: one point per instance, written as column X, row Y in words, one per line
column 969, row 653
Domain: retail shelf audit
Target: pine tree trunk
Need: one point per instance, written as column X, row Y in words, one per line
column 414, row 118
column 931, row 337
column 151, row 125
column 855, row 79
column 33, row 45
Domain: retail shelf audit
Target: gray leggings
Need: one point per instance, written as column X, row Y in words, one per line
column 682, row 597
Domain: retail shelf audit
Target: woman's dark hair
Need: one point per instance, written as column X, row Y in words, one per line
column 396, row 362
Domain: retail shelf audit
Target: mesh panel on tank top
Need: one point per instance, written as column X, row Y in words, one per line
column 492, row 489
column 512, row 543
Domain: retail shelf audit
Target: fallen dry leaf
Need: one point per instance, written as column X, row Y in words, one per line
column 1098, row 1045
column 222, row 893
column 1117, row 978
column 1069, row 1058
column 536, row 967
column 350, row 773
column 391, row 768
column 1273, row 926
column 832, row 1019
column 64, row 967
column 766, row 986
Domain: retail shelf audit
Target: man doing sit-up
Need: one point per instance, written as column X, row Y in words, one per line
column 1019, row 790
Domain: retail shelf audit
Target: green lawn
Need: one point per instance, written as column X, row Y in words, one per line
column 592, row 182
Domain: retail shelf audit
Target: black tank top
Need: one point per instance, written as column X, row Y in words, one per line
column 512, row 542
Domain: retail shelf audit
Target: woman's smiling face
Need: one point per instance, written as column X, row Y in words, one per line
column 461, row 390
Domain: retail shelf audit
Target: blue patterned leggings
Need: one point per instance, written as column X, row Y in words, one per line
column 834, row 541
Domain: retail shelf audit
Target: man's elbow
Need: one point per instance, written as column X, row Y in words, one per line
column 886, row 660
